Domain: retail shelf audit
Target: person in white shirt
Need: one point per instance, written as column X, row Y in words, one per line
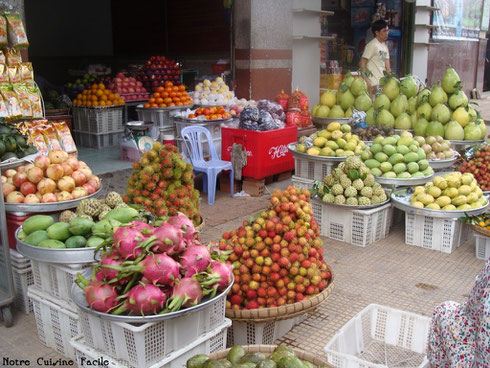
column 376, row 56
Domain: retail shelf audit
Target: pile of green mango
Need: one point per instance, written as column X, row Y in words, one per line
column 282, row 357
column 42, row 231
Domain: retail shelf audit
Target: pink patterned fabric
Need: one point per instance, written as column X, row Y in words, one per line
column 460, row 333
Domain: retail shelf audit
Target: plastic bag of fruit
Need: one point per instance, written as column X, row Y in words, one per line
column 250, row 113
column 16, row 31
column 248, row 125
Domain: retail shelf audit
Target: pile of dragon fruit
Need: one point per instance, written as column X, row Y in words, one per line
column 155, row 269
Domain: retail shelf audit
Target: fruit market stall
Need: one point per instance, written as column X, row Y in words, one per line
column 480, row 225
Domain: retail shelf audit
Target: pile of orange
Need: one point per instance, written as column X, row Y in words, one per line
column 97, row 95
column 211, row 113
column 168, row 96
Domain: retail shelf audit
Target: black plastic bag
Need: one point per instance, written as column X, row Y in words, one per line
column 250, row 113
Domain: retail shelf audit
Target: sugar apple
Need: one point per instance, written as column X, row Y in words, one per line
column 364, row 201
column 358, row 184
column 329, row 180
column 352, row 201
column 92, row 207
column 364, row 170
column 340, row 199
column 342, row 166
column 337, row 189
column 369, row 181
column 383, row 197
column 113, row 199
column 67, row 216
column 353, row 162
column 337, row 172
column 378, row 191
column 85, row 216
column 345, row 181
column 350, row 192
column 367, row 192
column 375, row 199
column 329, row 198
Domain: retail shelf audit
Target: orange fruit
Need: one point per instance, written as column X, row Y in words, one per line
column 94, row 86
column 101, row 86
column 156, row 95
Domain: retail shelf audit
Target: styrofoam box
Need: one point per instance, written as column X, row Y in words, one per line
column 312, row 169
column 57, row 322
column 205, row 147
column 56, row 279
column 380, row 337
column 23, row 278
column 433, row 233
column 208, row 343
column 482, row 246
column 301, row 183
column 145, row 344
column 264, row 333
column 97, row 120
column 213, row 127
column 358, row 227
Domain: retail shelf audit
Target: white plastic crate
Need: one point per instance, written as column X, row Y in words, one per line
column 145, row 344
column 205, row 148
column 264, row 333
column 358, row 227
column 433, row 233
column 57, row 322
column 98, row 120
column 159, row 117
column 213, row 127
column 208, row 343
column 18, row 261
column 482, row 246
column 380, row 337
column 96, row 140
column 301, row 183
column 166, row 130
column 56, row 279
column 23, row 278
column 311, row 169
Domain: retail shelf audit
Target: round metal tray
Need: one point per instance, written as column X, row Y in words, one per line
column 442, row 164
column 466, row 143
column 291, row 148
column 46, row 207
column 18, row 162
column 356, row 207
column 164, row 108
column 55, row 255
column 139, row 125
column 326, row 121
column 401, row 200
column 78, row 297
column 403, row 182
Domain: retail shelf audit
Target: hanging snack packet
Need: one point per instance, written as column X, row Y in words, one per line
column 13, row 57
column 4, row 112
column 36, row 138
column 3, row 59
column 14, row 74
column 20, row 90
column 64, row 136
column 35, row 98
column 4, row 76
column 16, row 32
column 51, row 138
column 26, row 72
column 11, row 101
column 4, row 42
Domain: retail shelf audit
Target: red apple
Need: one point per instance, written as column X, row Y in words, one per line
column 67, row 169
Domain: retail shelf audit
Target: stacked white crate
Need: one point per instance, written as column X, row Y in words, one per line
column 23, row 278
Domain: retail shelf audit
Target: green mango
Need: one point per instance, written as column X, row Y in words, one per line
column 290, row 362
column 36, row 237
column 37, row 222
column 252, row 357
column 59, row 231
column 81, row 226
column 76, row 241
column 267, row 363
column 197, row 361
column 235, row 354
column 51, row 243
column 123, row 214
column 94, row 242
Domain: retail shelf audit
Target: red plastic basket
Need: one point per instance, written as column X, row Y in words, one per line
column 13, row 223
column 267, row 152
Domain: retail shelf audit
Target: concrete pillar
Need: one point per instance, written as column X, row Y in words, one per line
column 262, row 47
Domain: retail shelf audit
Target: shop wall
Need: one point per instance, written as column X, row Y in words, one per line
column 463, row 56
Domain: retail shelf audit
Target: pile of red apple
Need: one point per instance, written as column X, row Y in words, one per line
column 56, row 177
column 158, row 70
column 479, row 166
column 128, row 88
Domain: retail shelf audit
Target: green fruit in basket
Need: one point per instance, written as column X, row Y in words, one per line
column 51, row 243
column 235, row 354
column 395, row 159
column 212, row 364
column 459, row 200
column 252, row 358
column 290, row 362
column 59, row 231
column 412, row 167
column 381, row 157
column 443, row 201
column 402, row 149
column 385, row 167
column 399, row 168
column 433, row 206
column 418, row 174
column 464, row 207
column 122, row 214
column 225, row 363
column 278, row 355
column 375, row 148
column 76, row 241
column 37, row 222
column 389, row 174
column 268, row 363
column 449, row 207
column 94, row 242
column 404, row 175
column 21, row 235
column 36, row 237
column 80, row 226
column 197, row 361
column 376, row 172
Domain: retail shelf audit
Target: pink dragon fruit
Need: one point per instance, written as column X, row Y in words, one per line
column 143, row 299
column 169, row 239
column 195, row 259
column 225, row 273
column 142, row 227
column 186, row 293
column 182, row 222
column 126, row 241
column 109, row 259
column 100, row 296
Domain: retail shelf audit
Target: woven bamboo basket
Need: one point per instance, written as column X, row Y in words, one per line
column 200, row 227
column 283, row 312
column 269, row 349
column 480, row 230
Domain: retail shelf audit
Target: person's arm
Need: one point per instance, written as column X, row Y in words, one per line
column 362, row 66
column 387, row 66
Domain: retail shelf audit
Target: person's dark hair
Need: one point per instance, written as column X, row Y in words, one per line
column 378, row 26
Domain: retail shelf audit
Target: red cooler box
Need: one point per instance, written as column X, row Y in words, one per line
column 267, row 152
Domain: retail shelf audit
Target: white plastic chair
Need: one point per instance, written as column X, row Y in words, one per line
column 192, row 137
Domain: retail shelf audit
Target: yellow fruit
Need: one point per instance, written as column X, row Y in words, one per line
column 333, row 126
column 418, row 204
column 459, row 200
column 434, row 191
column 418, row 189
column 450, row 192
column 464, row 190
column 433, row 206
column 443, row 201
